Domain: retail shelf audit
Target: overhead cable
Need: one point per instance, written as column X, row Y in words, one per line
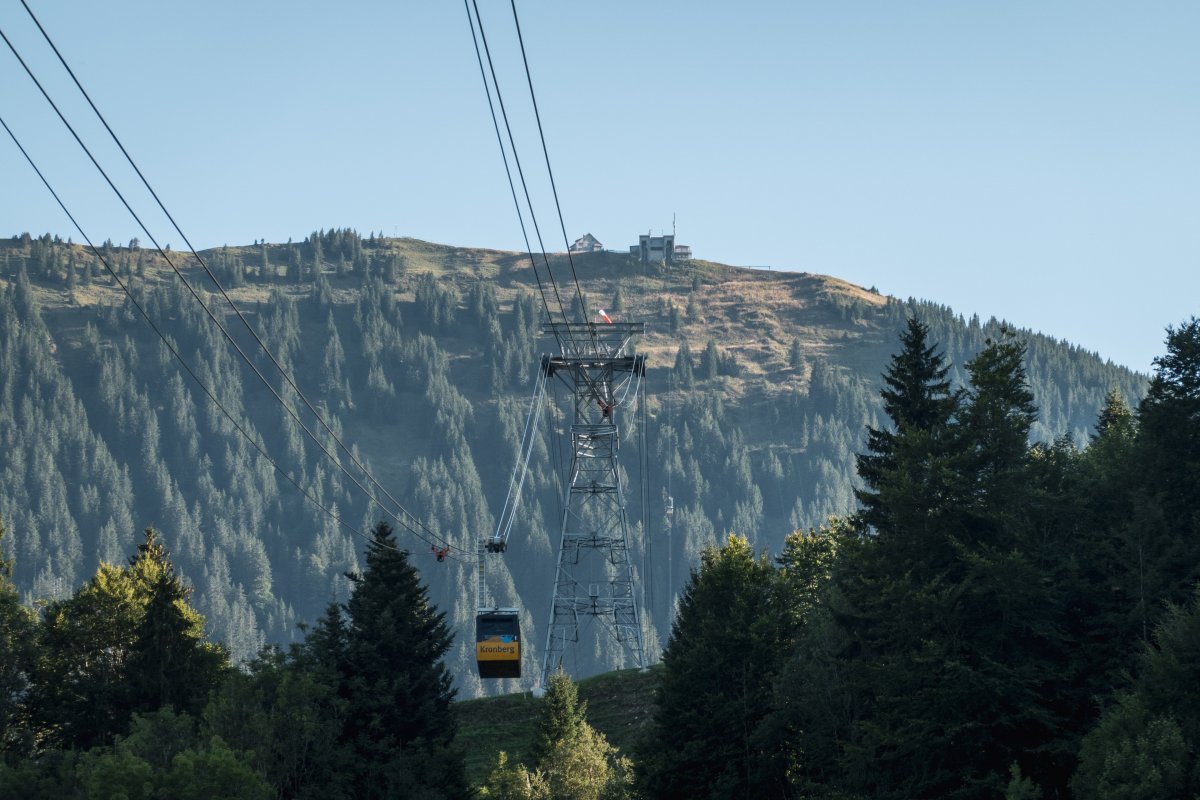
column 549, row 170
column 283, row 372
column 521, row 468
column 171, row 347
column 517, row 159
column 504, row 155
column 208, row 311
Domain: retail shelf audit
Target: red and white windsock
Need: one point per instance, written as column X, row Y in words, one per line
column 604, row 315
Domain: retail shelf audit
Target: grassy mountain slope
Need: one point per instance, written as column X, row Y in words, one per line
column 619, row 705
column 421, row 357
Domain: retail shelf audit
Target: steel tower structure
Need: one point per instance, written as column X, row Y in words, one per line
column 594, row 576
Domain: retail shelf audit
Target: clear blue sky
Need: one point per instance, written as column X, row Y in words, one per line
column 1036, row 161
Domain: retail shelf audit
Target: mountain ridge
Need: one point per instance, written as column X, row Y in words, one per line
column 422, row 354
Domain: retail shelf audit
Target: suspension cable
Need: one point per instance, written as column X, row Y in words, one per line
column 521, row 468
column 229, row 337
column 504, row 155
column 549, row 170
column 644, row 461
column 171, row 346
column 517, row 159
column 287, row 377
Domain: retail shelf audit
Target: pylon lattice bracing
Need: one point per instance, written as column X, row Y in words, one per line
column 594, row 576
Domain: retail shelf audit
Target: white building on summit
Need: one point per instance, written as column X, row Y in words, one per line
column 587, row 244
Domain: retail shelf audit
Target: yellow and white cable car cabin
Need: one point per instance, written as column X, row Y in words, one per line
column 498, row 643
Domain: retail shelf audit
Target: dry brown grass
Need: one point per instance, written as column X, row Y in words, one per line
column 752, row 314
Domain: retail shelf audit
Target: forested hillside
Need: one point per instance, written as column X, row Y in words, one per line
column 761, row 388
column 999, row 619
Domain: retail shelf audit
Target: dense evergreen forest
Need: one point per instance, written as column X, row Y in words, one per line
column 1003, row 605
column 761, row 388
column 999, row 618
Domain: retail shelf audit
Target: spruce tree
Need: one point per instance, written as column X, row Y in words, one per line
column 563, row 715
column 707, row 738
column 710, row 361
column 994, row 438
column 170, row 664
column 1101, row 574
column 1167, row 472
column 1115, row 419
column 905, row 468
column 16, row 657
column 954, row 651
column 399, row 724
column 795, row 353
column 682, row 374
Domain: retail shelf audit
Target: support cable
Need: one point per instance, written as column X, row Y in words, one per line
column 521, row 468
column 517, row 159
column 283, row 372
column 556, row 454
column 549, row 170
column 229, row 337
column 644, row 462
column 174, row 351
column 673, row 449
column 504, row 155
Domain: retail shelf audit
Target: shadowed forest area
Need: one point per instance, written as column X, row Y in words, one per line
column 421, row 358
column 977, row 595
column 1001, row 617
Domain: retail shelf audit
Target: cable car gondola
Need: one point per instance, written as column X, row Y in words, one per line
column 498, row 643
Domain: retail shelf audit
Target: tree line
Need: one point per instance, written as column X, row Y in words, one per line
column 116, row 692
column 426, row 372
column 1001, row 618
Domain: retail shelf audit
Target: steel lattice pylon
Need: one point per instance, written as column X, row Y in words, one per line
column 594, row 576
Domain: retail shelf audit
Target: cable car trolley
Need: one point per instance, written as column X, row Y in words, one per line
column 498, row 642
column 497, row 629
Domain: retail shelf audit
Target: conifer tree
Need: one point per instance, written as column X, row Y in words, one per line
column 994, row 436
column 795, row 353
column 683, row 366
column 710, row 361
column 953, row 644
column 1104, row 547
column 106, row 654
column 563, row 715
column 1145, row 745
column 170, row 664
column 399, row 725
column 1168, row 469
column 726, row 646
column 16, row 656
column 572, row 759
column 1115, row 419
column 903, row 468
